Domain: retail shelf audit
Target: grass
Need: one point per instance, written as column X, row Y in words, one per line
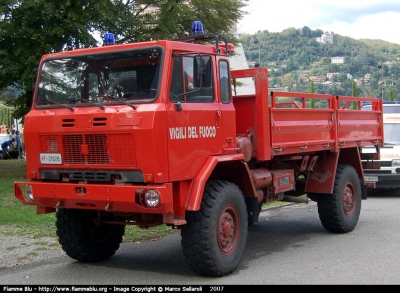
column 21, row 220
column 16, row 218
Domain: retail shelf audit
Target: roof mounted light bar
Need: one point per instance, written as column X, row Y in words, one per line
column 197, row 28
column 199, row 35
column 109, row 39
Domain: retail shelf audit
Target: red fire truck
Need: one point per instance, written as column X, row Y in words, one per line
column 155, row 132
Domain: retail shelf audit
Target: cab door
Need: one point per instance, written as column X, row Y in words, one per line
column 193, row 116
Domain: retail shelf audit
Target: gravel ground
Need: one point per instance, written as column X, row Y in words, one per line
column 21, row 250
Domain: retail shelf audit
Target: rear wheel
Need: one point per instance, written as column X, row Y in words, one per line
column 313, row 196
column 339, row 212
column 214, row 238
column 84, row 240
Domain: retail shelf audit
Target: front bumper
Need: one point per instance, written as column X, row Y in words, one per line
column 112, row 198
column 385, row 180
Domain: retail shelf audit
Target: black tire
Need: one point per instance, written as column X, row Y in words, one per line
column 339, row 212
column 214, row 238
column 84, row 240
column 314, row 196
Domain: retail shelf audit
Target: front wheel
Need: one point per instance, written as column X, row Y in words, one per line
column 339, row 212
column 84, row 240
column 214, row 238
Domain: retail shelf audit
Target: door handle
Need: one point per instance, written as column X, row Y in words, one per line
column 218, row 118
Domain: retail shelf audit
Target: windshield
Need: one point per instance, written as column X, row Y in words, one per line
column 117, row 77
column 387, row 109
column 392, row 133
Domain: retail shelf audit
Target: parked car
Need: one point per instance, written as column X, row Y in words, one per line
column 3, row 138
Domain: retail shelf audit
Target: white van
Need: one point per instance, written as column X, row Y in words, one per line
column 388, row 107
column 388, row 175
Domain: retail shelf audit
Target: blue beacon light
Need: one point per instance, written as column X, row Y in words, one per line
column 109, row 39
column 197, row 28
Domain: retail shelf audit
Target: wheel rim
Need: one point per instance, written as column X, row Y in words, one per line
column 228, row 229
column 348, row 199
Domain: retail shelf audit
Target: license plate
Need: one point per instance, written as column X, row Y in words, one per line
column 371, row 178
column 50, row 159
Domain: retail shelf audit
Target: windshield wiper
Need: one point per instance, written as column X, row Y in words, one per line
column 120, row 100
column 93, row 103
column 66, row 106
column 73, row 101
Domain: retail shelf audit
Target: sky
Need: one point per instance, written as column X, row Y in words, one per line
column 358, row 19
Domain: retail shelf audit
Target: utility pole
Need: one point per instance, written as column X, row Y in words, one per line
column 382, row 82
column 256, row 41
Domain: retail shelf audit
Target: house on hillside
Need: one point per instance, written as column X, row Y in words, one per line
column 389, row 63
column 329, row 75
column 318, row 79
column 367, row 78
column 325, row 38
column 303, row 77
column 337, row 60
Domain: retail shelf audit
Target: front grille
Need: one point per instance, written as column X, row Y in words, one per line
column 72, row 149
column 92, row 149
column 89, row 176
column 381, row 163
column 386, row 163
column 92, row 176
column 122, row 149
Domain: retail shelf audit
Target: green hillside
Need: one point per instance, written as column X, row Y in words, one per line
column 294, row 55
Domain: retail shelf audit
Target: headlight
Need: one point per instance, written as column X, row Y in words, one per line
column 148, row 198
column 152, row 198
column 29, row 192
column 395, row 163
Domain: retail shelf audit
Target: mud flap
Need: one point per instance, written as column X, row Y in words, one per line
column 363, row 191
column 253, row 209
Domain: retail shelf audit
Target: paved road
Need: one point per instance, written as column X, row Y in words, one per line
column 287, row 246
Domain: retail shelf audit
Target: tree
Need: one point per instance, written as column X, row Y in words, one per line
column 312, row 90
column 354, row 94
column 6, row 116
column 306, row 31
column 31, row 28
column 335, row 90
column 391, row 94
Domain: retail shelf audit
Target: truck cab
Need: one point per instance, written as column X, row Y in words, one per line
column 139, row 113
